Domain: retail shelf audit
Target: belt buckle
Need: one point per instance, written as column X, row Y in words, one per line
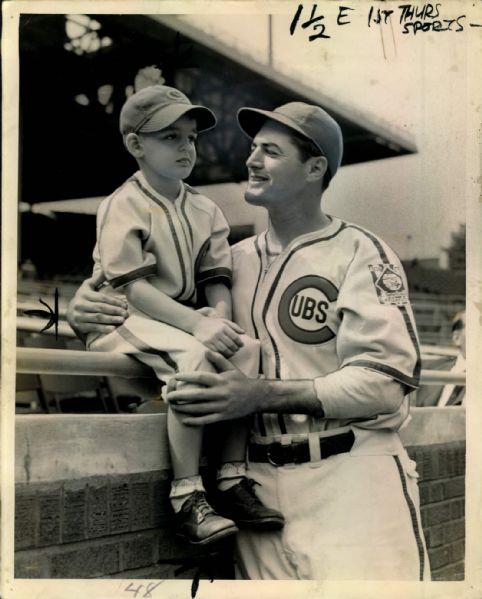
column 272, row 447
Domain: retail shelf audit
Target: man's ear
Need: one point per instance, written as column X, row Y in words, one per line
column 317, row 166
column 133, row 144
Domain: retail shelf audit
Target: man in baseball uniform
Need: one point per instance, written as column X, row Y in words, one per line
column 328, row 301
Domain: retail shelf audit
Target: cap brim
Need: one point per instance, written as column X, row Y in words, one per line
column 165, row 117
column 252, row 119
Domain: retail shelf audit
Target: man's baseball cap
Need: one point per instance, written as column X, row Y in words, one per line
column 156, row 107
column 311, row 121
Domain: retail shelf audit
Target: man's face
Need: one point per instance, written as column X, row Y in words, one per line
column 171, row 152
column 275, row 171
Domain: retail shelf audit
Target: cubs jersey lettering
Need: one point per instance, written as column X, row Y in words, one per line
column 332, row 299
column 178, row 245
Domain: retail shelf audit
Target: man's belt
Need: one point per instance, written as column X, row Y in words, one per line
column 278, row 454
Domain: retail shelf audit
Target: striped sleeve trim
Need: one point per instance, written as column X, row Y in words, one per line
column 413, row 336
column 129, row 336
column 134, row 275
column 215, row 275
column 411, row 330
column 200, row 256
column 411, row 382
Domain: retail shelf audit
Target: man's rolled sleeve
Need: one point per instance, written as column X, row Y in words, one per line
column 354, row 392
column 377, row 327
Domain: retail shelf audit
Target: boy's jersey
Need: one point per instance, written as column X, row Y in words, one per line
column 331, row 299
column 178, row 245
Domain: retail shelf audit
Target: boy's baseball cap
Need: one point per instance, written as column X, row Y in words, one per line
column 311, row 121
column 156, row 107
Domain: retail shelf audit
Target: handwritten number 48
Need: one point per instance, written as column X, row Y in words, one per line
column 131, row 588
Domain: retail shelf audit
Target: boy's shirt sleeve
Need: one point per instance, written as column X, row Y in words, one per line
column 214, row 264
column 123, row 226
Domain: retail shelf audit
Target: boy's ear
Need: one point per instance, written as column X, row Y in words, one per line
column 317, row 166
column 133, row 144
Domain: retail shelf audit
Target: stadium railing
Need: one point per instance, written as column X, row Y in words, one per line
column 83, row 363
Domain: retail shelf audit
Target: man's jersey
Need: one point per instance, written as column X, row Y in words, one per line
column 178, row 245
column 331, row 299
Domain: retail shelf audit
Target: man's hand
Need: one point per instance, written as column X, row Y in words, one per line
column 224, row 396
column 219, row 335
column 92, row 311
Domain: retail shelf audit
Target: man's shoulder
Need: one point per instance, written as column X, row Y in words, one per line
column 357, row 232
column 366, row 243
column 245, row 246
column 245, row 260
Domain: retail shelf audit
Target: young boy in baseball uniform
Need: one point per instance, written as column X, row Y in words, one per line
column 163, row 244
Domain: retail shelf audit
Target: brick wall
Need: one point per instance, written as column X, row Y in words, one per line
column 442, row 497
column 99, row 507
column 103, row 526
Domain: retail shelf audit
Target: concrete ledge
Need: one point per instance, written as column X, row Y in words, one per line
column 429, row 426
column 92, row 496
column 71, row 446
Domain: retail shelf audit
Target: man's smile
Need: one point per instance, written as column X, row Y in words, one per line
column 257, row 177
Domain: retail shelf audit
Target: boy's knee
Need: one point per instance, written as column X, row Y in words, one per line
column 195, row 358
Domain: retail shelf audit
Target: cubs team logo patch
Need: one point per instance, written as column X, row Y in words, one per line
column 304, row 307
column 389, row 284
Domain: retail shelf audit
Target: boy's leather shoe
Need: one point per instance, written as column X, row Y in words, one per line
column 241, row 504
column 200, row 523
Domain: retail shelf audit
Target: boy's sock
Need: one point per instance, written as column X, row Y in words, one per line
column 181, row 488
column 230, row 474
column 237, row 500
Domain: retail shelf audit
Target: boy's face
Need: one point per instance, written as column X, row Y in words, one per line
column 171, row 152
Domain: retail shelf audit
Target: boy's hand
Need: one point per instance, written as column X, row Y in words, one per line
column 219, row 334
column 208, row 311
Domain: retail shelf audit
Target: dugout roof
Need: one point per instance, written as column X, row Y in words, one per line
column 74, row 71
